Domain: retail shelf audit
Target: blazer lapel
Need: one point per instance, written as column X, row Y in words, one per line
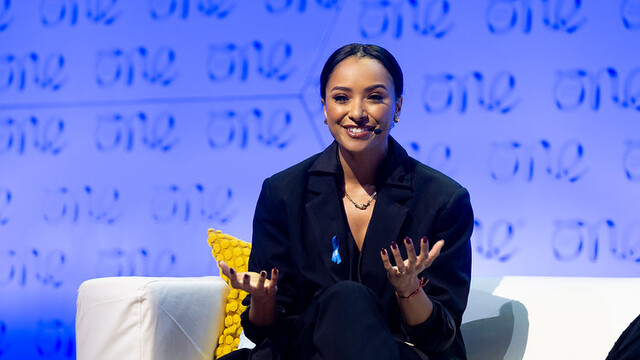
column 387, row 225
column 323, row 214
column 389, row 218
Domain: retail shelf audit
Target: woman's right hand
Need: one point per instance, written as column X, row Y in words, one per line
column 262, row 290
column 254, row 283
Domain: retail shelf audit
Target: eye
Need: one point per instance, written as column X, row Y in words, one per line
column 376, row 97
column 340, row 98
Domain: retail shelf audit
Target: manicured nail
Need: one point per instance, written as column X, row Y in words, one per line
column 276, row 271
column 394, row 245
column 263, row 274
column 246, row 277
column 424, row 240
column 407, row 240
column 231, row 271
column 383, row 251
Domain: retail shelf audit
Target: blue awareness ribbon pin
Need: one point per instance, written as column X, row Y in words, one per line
column 335, row 256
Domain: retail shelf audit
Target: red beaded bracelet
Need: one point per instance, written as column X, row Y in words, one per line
column 422, row 284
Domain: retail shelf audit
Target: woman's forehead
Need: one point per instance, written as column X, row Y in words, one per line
column 360, row 70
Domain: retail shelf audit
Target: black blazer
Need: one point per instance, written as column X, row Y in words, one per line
column 300, row 210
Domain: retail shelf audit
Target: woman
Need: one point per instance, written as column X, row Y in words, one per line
column 330, row 228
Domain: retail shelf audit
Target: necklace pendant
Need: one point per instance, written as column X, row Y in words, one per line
column 362, row 206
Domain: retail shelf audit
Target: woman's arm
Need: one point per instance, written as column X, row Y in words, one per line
column 270, row 250
column 448, row 280
column 414, row 303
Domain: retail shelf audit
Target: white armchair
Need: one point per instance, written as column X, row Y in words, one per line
column 507, row 318
column 135, row 318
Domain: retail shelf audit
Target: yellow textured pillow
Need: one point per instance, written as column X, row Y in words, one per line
column 234, row 252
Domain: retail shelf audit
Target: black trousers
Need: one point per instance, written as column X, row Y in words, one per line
column 627, row 347
column 345, row 322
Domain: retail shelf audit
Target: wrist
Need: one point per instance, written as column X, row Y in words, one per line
column 407, row 290
column 262, row 313
column 414, row 290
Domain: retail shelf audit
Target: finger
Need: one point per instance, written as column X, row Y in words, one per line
column 434, row 253
column 273, row 284
column 411, row 251
column 261, row 280
column 224, row 268
column 424, row 249
column 246, row 282
column 235, row 280
column 395, row 250
column 384, row 255
column 230, row 273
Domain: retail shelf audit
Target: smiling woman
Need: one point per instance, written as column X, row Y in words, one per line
column 336, row 234
column 362, row 97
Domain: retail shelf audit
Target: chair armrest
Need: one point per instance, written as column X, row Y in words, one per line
column 157, row 318
column 536, row 317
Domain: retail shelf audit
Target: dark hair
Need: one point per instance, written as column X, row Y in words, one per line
column 362, row 51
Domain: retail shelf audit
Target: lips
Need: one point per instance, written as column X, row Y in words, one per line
column 358, row 131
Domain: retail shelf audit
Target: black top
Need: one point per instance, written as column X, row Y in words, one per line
column 300, row 210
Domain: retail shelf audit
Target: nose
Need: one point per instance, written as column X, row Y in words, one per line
column 358, row 113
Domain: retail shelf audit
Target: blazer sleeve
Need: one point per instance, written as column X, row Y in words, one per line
column 449, row 277
column 270, row 249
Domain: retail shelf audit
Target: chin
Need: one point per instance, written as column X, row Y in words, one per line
column 363, row 146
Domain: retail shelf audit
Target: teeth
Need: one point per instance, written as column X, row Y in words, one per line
column 357, row 130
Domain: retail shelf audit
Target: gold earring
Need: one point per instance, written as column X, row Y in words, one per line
column 396, row 119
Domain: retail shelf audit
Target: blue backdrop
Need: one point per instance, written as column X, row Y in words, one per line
column 127, row 128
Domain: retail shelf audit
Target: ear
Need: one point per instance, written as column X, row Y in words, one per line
column 398, row 106
column 324, row 107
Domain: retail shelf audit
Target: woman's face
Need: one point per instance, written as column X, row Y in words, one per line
column 360, row 98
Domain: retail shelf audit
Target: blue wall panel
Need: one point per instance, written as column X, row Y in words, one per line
column 127, row 128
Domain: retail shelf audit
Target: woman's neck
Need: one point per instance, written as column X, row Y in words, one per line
column 360, row 168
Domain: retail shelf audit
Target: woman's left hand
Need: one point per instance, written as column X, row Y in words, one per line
column 404, row 276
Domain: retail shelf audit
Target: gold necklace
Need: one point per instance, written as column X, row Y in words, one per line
column 362, row 206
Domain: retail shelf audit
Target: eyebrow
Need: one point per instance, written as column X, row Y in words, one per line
column 367, row 89
column 373, row 87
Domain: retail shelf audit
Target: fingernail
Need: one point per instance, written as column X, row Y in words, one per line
column 407, row 240
column 424, row 239
column 231, row 271
column 275, row 270
column 394, row 245
column 383, row 251
column 263, row 273
column 246, row 277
